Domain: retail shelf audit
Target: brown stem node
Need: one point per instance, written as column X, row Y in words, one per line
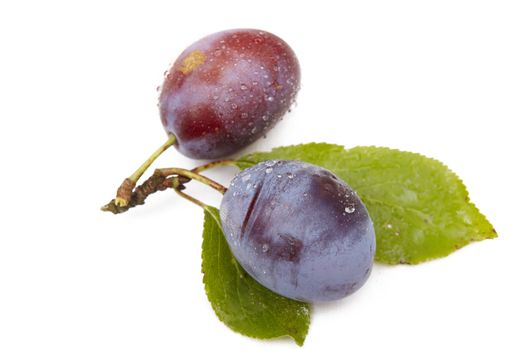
column 124, row 192
column 154, row 183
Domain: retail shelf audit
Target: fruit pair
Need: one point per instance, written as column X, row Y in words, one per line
column 295, row 227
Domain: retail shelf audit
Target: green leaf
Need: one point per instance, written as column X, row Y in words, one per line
column 420, row 208
column 238, row 300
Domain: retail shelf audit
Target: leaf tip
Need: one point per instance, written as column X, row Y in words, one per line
column 299, row 340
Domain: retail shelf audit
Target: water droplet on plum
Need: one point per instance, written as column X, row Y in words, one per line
column 350, row 209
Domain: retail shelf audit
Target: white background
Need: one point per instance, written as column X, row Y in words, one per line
column 78, row 114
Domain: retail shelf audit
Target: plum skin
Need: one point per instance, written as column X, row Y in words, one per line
column 298, row 230
column 227, row 90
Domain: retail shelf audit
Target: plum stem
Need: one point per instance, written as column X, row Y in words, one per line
column 188, row 174
column 177, row 187
column 214, row 164
column 210, row 165
column 124, row 191
column 140, row 171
